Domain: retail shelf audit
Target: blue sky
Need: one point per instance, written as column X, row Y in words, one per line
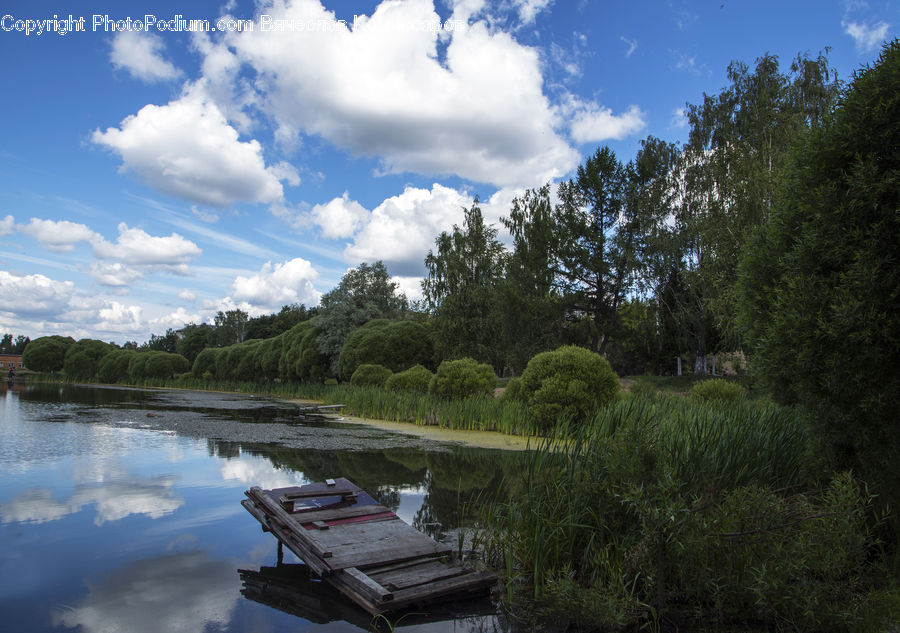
column 153, row 172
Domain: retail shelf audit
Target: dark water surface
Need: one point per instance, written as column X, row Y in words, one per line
column 120, row 510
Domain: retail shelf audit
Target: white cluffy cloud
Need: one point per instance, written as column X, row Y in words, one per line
column 135, row 246
column 278, row 285
column 7, row 225
column 141, row 55
column 34, row 296
column 593, row 124
column 402, row 229
column 341, row 217
column 867, row 37
column 188, row 149
column 381, row 88
column 60, row 236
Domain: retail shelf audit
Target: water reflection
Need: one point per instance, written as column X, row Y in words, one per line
column 178, row 593
column 142, row 529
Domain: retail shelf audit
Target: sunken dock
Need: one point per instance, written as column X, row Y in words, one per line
column 362, row 548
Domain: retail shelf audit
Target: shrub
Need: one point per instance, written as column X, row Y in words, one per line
column 83, row 358
column 312, row 365
column 163, row 364
column 392, row 344
column 416, row 378
column 717, row 389
column 369, row 375
column 205, row 363
column 513, row 390
column 463, row 378
column 114, row 366
column 46, row 353
column 568, row 382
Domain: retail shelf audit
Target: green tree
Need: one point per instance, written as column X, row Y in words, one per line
column 595, row 256
column 114, row 366
column 533, row 314
column 364, row 293
column 396, row 345
column 231, row 327
column 194, row 339
column 821, row 283
column 47, row 353
column 462, row 289
column 737, row 143
column 167, row 342
column 83, row 358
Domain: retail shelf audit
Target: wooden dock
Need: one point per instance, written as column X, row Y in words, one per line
column 362, row 548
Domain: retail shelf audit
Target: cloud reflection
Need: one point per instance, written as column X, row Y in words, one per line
column 260, row 472
column 114, row 500
column 182, row 592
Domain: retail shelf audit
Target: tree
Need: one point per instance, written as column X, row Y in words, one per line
column 364, row 293
column 396, row 345
column 737, row 143
column 462, row 290
column 165, row 343
column 83, row 358
column 820, row 286
column 231, row 327
column 47, row 353
column 194, row 339
column 595, row 255
column 533, row 314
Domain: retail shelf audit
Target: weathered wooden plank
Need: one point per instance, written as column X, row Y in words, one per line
column 301, row 534
column 299, row 548
column 367, row 554
column 335, row 514
column 361, row 583
column 475, row 581
column 429, row 572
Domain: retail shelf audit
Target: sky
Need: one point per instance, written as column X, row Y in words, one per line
column 160, row 162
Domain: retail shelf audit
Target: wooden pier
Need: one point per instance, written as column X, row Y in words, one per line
column 362, row 548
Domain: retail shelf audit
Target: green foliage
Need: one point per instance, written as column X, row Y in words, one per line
column 416, row 378
column 194, row 339
column 161, row 365
column 368, row 375
column 392, row 344
column 617, row 530
column 205, row 362
column 463, row 290
column 364, row 293
column 717, row 389
column 569, row 382
column 820, row 284
column 291, row 347
column 462, row 378
column 47, row 353
column 83, row 358
column 114, row 366
column 312, row 365
column 514, row 390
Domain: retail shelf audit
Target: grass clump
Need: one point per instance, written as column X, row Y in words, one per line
column 671, row 513
column 717, row 389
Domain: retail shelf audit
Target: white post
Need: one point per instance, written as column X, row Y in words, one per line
column 679, row 365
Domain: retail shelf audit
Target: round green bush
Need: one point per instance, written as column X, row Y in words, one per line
column 47, row 353
column 717, row 389
column 369, row 375
column 462, row 378
column 416, row 378
column 570, row 382
column 513, row 390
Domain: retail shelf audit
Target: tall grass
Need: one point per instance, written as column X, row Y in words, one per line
column 666, row 508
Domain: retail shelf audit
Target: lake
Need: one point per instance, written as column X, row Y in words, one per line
column 120, row 510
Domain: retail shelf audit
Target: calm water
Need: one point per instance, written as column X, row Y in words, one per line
column 120, row 510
